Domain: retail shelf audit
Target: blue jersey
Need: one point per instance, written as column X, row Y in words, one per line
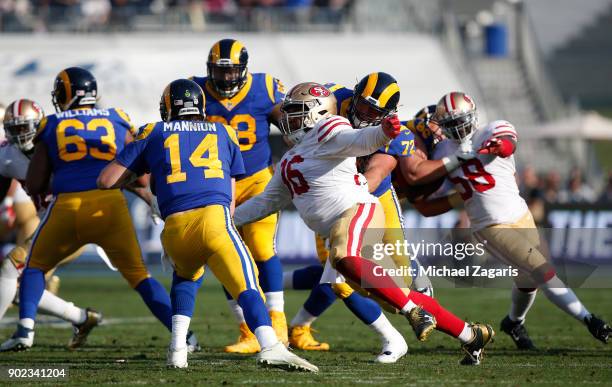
column 419, row 128
column 191, row 163
column 80, row 143
column 247, row 112
column 403, row 145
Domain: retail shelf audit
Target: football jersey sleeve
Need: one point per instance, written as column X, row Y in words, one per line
column 133, row 155
column 275, row 88
column 237, row 163
column 338, row 139
column 274, row 198
column 401, row 146
column 502, row 128
column 125, row 121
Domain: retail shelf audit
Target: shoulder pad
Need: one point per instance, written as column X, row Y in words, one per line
column 231, row 133
column 145, row 130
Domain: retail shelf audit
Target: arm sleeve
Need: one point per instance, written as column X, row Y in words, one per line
column 344, row 141
column 274, row 198
column 401, row 146
column 132, row 157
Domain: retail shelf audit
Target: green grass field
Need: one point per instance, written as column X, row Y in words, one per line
column 129, row 349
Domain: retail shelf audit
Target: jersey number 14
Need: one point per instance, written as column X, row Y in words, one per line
column 211, row 163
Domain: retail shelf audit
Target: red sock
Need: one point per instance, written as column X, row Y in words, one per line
column 364, row 272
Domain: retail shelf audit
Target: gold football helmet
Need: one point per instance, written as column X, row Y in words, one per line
column 304, row 105
column 21, row 121
column 456, row 115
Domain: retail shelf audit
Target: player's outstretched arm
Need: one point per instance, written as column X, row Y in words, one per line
column 39, row 171
column 273, row 199
column 348, row 142
column 114, row 176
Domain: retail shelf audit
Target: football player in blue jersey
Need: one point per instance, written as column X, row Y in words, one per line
column 248, row 103
column 193, row 164
column 73, row 146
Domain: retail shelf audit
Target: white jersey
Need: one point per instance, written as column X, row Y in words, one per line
column 487, row 183
column 13, row 163
column 319, row 175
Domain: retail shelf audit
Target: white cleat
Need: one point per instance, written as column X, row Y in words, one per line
column 177, row 358
column 392, row 351
column 192, row 343
column 280, row 357
column 22, row 340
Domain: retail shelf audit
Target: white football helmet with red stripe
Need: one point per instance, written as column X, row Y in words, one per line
column 304, row 105
column 456, row 115
column 21, row 120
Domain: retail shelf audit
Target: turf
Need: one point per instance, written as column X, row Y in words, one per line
column 130, row 348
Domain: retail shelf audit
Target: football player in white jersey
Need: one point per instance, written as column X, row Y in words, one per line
column 319, row 176
column 20, row 122
column 499, row 215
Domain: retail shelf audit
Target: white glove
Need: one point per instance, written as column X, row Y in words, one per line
column 461, row 155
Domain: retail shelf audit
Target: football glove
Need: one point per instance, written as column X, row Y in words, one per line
column 391, row 126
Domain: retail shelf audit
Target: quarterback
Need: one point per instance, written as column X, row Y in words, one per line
column 319, row 176
column 247, row 102
column 500, row 216
column 194, row 164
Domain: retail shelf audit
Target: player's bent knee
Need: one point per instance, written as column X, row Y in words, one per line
column 342, row 290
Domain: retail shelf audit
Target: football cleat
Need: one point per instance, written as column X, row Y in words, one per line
column 518, row 333
column 22, row 340
column 81, row 331
column 247, row 342
column 300, row 337
column 392, row 351
column 598, row 328
column 423, row 323
column 278, row 356
column 177, row 358
column 192, row 343
column 474, row 350
column 279, row 323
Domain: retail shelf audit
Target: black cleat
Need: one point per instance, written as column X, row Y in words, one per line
column 474, row 350
column 423, row 323
column 598, row 328
column 517, row 331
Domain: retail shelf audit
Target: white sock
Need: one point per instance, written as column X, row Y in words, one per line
column 521, row 303
column 385, row 330
column 27, row 323
column 466, row 334
column 180, row 327
column 408, row 307
column 288, row 280
column 8, row 285
column 275, row 301
column 55, row 306
column 303, row 318
column 565, row 298
column 236, row 310
column 265, row 336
